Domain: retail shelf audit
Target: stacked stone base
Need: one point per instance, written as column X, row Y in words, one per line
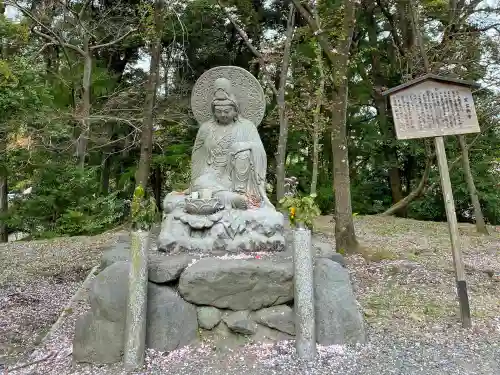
column 227, row 301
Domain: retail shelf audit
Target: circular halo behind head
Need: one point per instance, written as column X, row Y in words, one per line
column 244, row 86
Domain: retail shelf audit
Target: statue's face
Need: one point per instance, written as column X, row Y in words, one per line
column 225, row 114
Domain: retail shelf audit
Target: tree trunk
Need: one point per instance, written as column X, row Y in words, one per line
column 105, row 173
column 158, row 186
column 317, row 113
column 379, row 81
column 345, row 236
column 478, row 213
column 81, row 152
column 403, row 204
column 143, row 168
column 4, row 192
column 283, row 135
column 4, row 198
column 389, row 152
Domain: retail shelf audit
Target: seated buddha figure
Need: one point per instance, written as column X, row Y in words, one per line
column 229, row 164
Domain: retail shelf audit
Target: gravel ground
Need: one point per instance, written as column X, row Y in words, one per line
column 37, row 279
column 403, row 280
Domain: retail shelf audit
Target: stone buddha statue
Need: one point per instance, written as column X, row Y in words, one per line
column 228, row 156
column 226, row 207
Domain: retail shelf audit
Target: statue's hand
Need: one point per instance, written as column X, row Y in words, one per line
column 238, row 147
column 234, row 200
column 239, row 202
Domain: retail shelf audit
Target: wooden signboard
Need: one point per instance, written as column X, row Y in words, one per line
column 434, row 106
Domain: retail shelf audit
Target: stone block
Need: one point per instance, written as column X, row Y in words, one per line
column 240, row 322
column 208, row 317
column 98, row 340
column 120, row 252
column 281, row 318
column 338, row 319
column 109, row 291
column 165, row 269
column 171, row 322
column 237, row 284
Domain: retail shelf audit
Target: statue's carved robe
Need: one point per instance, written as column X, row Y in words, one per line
column 229, row 158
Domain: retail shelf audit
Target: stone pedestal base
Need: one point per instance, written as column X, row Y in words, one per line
column 231, row 231
column 228, row 301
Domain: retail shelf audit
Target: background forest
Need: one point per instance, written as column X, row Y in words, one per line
column 95, row 99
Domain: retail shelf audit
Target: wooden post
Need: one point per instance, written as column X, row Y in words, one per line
column 449, row 204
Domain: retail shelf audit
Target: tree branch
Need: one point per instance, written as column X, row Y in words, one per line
column 84, row 6
column 318, row 33
column 35, row 20
column 43, row 48
column 59, row 42
column 414, row 194
column 250, row 46
column 392, row 24
column 118, row 40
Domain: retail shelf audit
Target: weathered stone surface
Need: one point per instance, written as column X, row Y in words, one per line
column 265, row 334
column 305, row 342
column 164, row 269
column 337, row 258
column 223, row 338
column 109, row 291
column 120, row 252
column 280, row 318
column 240, row 322
column 171, row 322
column 220, row 187
column 98, row 340
column 237, row 284
column 326, row 250
column 338, row 319
column 135, row 323
column 208, row 317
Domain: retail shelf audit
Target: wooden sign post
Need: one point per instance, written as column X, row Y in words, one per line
column 434, row 106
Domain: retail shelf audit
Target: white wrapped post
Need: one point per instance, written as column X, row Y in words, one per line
column 305, row 325
column 135, row 326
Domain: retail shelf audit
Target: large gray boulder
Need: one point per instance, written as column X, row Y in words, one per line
column 338, row 319
column 161, row 268
column 164, row 269
column 99, row 335
column 109, row 291
column 326, row 250
column 171, row 322
column 120, row 252
column 98, row 340
column 237, row 284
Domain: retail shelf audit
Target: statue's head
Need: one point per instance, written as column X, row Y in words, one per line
column 224, row 104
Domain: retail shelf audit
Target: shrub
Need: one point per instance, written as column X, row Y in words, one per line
column 65, row 201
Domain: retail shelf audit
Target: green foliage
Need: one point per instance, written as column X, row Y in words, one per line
column 65, row 201
column 302, row 209
column 40, row 92
column 144, row 211
column 325, row 199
